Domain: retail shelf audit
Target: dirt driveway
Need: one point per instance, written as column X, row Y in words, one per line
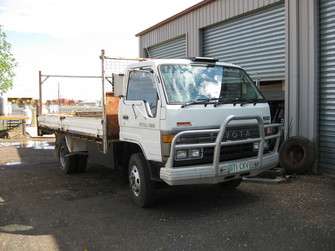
column 43, row 209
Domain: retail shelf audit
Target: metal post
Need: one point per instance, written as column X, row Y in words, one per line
column 40, row 93
column 59, row 100
column 24, row 127
column 103, row 100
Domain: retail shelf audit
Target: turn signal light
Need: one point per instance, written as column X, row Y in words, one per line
column 167, row 138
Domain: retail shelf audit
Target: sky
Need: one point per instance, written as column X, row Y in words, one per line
column 65, row 37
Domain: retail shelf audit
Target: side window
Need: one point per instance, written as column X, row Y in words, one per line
column 141, row 86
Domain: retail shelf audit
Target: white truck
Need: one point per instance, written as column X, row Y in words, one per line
column 178, row 121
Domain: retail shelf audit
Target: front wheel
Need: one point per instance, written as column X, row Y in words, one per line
column 141, row 186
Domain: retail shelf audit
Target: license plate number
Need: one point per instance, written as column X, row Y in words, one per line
column 238, row 167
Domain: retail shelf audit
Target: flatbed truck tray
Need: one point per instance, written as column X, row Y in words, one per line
column 83, row 124
column 76, row 125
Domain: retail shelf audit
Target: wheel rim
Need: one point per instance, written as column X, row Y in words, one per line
column 135, row 181
column 62, row 156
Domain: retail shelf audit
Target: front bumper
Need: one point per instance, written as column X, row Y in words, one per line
column 208, row 174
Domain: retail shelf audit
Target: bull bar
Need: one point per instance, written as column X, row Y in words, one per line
column 219, row 171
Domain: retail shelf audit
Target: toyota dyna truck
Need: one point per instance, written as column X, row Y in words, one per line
column 176, row 121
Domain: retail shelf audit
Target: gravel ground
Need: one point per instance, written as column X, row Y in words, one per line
column 43, row 209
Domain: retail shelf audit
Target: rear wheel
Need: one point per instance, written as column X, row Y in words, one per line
column 81, row 163
column 141, row 186
column 68, row 164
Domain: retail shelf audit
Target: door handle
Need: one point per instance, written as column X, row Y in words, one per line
column 125, row 117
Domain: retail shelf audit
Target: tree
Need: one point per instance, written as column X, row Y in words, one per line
column 7, row 64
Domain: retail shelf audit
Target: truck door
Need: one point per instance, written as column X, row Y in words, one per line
column 140, row 113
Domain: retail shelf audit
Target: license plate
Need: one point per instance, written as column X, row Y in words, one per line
column 238, row 167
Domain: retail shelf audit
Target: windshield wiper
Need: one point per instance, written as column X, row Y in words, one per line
column 252, row 101
column 240, row 101
column 233, row 101
column 201, row 101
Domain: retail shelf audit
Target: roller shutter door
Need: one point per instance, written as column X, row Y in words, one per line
column 327, row 87
column 175, row 48
column 256, row 42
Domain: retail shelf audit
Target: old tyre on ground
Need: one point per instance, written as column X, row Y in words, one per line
column 296, row 155
column 231, row 184
column 68, row 164
column 141, row 186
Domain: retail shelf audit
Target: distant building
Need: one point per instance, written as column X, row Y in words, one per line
column 89, row 103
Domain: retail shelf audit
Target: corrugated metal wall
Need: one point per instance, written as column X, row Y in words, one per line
column 192, row 22
column 175, row 48
column 255, row 42
column 327, row 86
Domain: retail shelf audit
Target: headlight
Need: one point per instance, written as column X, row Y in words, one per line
column 181, row 154
column 195, row 153
column 189, row 154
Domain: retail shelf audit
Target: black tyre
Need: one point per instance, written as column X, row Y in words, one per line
column 231, row 184
column 296, row 155
column 141, row 186
column 81, row 163
column 68, row 164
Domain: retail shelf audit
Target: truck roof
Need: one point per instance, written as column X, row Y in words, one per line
column 156, row 62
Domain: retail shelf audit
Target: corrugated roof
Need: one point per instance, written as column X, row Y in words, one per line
column 174, row 17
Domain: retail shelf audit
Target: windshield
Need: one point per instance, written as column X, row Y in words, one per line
column 193, row 83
